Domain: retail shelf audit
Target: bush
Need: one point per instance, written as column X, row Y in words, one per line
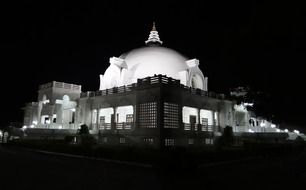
column 227, row 138
column 87, row 140
column 84, row 130
column 69, row 139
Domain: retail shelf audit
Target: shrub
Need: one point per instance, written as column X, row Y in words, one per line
column 69, row 139
column 84, row 130
column 227, row 138
column 87, row 140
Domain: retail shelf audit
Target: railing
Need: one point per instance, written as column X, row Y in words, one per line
column 49, row 131
column 120, row 126
column 187, row 127
column 190, row 127
column 156, row 79
column 115, row 90
column 56, row 126
column 240, row 128
column 124, row 125
column 60, row 85
column 194, row 127
column 206, row 127
column 45, row 86
column 105, row 126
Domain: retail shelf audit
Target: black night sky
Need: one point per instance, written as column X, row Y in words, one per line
column 254, row 43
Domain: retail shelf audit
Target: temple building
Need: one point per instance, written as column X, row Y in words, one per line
column 149, row 96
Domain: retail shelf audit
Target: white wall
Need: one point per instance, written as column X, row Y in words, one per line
column 207, row 114
column 94, row 116
column 106, row 112
column 226, row 114
column 187, row 111
column 122, row 111
column 68, row 107
column 216, row 118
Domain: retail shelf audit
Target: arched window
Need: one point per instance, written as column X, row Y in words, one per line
column 44, row 98
column 66, row 98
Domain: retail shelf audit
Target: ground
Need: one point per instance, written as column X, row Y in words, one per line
column 30, row 170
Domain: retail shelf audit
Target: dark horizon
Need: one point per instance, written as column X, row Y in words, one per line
column 256, row 44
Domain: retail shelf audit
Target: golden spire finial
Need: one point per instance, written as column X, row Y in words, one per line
column 154, row 27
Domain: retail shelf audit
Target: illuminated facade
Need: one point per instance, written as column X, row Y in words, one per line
column 149, row 96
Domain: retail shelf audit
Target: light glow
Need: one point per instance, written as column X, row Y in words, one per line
column 296, row 131
column 251, row 131
column 34, row 122
column 273, row 125
column 248, row 104
column 46, row 101
column 286, row 130
column 60, row 127
column 262, row 124
column 240, row 107
column 31, row 126
column 24, row 127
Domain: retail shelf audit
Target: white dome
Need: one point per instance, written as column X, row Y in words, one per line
column 148, row 61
